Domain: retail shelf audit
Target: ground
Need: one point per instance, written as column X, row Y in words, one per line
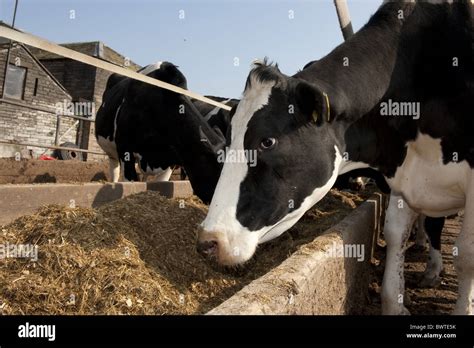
column 421, row 301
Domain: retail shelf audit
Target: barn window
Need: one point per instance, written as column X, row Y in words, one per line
column 35, row 90
column 15, row 82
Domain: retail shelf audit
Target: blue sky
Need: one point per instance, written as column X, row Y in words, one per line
column 206, row 43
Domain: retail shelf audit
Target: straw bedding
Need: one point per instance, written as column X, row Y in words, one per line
column 136, row 256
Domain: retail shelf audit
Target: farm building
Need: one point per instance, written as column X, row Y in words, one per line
column 39, row 85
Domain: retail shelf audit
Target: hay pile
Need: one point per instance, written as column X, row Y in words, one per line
column 135, row 256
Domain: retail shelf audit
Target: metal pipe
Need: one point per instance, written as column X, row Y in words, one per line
column 344, row 18
column 47, row 110
column 7, row 61
column 52, row 147
column 45, row 45
column 58, row 126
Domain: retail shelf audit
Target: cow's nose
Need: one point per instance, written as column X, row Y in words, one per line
column 207, row 248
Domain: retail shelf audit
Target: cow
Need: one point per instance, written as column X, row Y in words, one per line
column 332, row 117
column 106, row 128
column 159, row 128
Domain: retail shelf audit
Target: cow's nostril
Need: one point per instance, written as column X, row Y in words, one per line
column 207, row 248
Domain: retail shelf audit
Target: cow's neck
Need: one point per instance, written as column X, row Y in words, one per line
column 380, row 63
column 196, row 155
column 356, row 74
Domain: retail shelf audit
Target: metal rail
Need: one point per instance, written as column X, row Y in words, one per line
column 54, row 147
column 45, row 45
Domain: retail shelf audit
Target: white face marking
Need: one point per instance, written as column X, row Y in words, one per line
column 150, row 68
column 237, row 243
column 221, row 221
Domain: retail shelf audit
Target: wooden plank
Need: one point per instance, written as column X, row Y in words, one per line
column 45, row 45
column 54, row 147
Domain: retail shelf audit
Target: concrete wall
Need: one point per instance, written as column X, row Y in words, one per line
column 18, row 200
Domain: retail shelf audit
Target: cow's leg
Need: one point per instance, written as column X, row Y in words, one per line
column 398, row 223
column 165, row 175
column 434, row 266
column 420, row 241
column 127, row 162
column 464, row 259
column 114, row 169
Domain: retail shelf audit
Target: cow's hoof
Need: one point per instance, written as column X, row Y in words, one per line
column 404, row 311
column 463, row 311
column 463, row 307
column 430, row 281
column 399, row 310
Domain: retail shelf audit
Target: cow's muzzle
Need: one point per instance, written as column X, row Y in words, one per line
column 207, row 248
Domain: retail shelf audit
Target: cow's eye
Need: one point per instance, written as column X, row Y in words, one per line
column 268, row 143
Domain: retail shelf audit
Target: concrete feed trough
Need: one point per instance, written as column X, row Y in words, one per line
column 316, row 279
column 313, row 280
column 18, row 200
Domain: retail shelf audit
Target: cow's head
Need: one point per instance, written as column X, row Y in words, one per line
column 285, row 122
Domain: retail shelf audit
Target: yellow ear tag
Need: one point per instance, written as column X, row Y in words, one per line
column 328, row 107
column 315, row 116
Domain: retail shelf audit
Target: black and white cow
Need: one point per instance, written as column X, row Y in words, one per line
column 160, row 128
column 331, row 118
column 106, row 128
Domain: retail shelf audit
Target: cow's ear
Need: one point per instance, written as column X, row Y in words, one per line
column 313, row 103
